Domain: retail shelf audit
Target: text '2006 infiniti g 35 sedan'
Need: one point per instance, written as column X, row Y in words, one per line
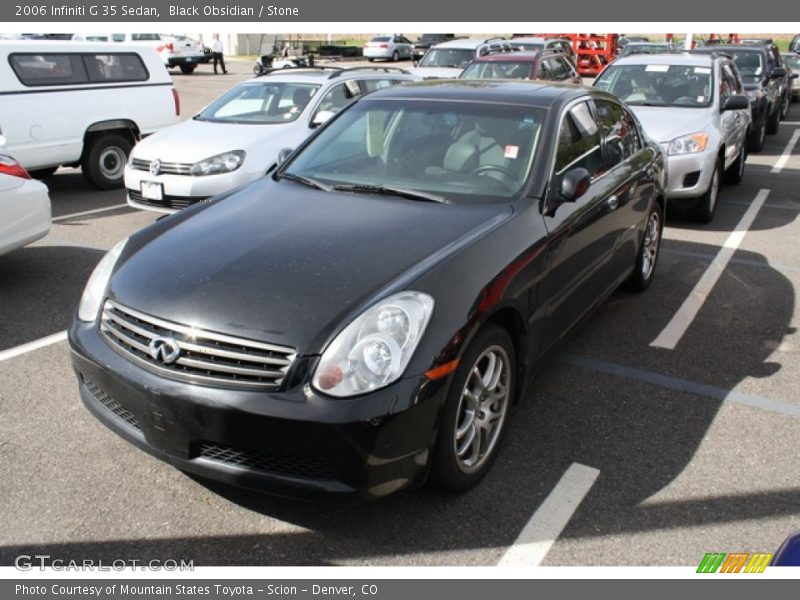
column 365, row 316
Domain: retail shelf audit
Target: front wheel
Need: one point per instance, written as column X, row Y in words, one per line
column 395, row 56
column 648, row 251
column 735, row 172
column 103, row 164
column 787, row 102
column 755, row 142
column 773, row 121
column 475, row 412
column 707, row 203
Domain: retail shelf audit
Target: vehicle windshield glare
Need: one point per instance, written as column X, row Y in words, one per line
column 259, row 102
column 686, row 86
column 447, row 57
column 462, row 152
column 498, row 70
column 750, row 65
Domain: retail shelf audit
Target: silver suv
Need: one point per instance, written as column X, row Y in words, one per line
column 695, row 107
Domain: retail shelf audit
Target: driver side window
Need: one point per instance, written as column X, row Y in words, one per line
column 339, row 96
column 579, row 142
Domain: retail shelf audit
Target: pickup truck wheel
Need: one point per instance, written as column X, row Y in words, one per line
column 103, row 165
column 188, row 69
column 773, row 121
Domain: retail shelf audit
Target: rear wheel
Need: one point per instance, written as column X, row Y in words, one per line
column 707, row 203
column 103, row 165
column 476, row 410
column 648, row 251
column 188, row 69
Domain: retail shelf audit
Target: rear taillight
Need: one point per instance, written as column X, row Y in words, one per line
column 169, row 47
column 177, row 100
column 383, row 46
column 8, row 166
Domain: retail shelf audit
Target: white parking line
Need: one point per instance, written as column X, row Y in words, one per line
column 686, row 314
column 89, row 212
column 787, row 152
column 549, row 520
column 34, row 345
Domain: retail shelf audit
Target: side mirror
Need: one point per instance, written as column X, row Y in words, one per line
column 574, row 184
column 736, row 103
column 283, row 154
column 322, row 116
column 778, row 73
column 794, row 75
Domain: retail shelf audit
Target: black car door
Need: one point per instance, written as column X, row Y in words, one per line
column 582, row 235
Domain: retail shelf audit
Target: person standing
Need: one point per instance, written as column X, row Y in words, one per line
column 217, row 54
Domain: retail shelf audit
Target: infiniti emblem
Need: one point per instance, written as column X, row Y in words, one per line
column 164, row 349
column 155, row 167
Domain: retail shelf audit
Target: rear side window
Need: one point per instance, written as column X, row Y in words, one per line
column 145, row 37
column 68, row 69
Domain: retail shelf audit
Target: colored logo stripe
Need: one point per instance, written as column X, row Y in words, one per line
column 711, row 562
column 735, row 562
column 758, row 562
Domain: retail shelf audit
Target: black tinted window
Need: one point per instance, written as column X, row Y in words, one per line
column 579, row 142
column 104, row 68
column 145, row 37
column 48, row 69
column 620, row 136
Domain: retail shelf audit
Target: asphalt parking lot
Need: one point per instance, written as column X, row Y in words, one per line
column 689, row 449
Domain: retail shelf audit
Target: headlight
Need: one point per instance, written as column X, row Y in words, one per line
column 374, row 350
column 221, row 163
column 689, row 144
column 97, row 284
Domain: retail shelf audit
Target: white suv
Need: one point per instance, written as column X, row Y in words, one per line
column 81, row 103
column 236, row 138
column 448, row 59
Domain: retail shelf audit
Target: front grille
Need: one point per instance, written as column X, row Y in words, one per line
column 293, row 465
column 169, row 202
column 112, row 405
column 165, row 168
column 204, row 356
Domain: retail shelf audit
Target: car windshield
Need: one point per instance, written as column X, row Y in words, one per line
column 260, row 103
column 792, row 61
column 644, row 49
column 685, row 86
column 448, row 57
column 460, row 151
column 750, row 65
column 498, row 70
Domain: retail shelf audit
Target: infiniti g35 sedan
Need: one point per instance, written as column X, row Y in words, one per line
column 364, row 317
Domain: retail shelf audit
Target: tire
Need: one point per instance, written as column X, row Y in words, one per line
column 785, row 104
column 707, row 203
column 42, row 173
column 735, row 172
column 450, row 470
column 755, row 143
column 395, row 56
column 647, row 258
column 371, row 59
column 103, row 164
column 773, row 120
column 188, row 69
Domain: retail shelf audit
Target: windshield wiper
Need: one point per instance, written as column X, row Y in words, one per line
column 360, row 188
column 305, row 181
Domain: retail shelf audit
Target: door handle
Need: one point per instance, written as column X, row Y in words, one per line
column 612, row 203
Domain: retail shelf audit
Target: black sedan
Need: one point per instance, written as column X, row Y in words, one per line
column 365, row 316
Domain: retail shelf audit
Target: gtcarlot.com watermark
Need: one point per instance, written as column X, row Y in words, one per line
column 29, row 562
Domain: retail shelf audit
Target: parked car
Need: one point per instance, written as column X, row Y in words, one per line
column 764, row 80
column 184, row 53
column 546, row 65
column 447, row 60
column 81, row 103
column 794, row 45
column 627, row 39
column 389, row 47
column 236, row 138
column 426, row 40
column 368, row 313
column 24, row 205
column 694, row 106
column 530, row 44
column 646, row 48
column 792, row 62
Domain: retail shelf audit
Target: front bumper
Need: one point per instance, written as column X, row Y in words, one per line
column 689, row 175
column 294, row 443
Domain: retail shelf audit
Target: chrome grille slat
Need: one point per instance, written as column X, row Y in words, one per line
column 205, row 356
column 167, row 168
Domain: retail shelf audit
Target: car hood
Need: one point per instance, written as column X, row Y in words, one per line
column 664, row 124
column 437, row 72
column 191, row 141
column 282, row 263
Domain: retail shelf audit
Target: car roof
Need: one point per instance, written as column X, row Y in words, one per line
column 683, row 58
column 521, row 57
column 67, row 46
column 468, row 43
column 731, row 48
column 322, row 74
column 497, row 91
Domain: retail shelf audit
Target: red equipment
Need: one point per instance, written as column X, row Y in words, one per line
column 592, row 51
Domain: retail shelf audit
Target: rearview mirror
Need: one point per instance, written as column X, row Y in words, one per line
column 778, row 72
column 736, row 103
column 321, row 117
column 283, row 154
column 574, row 184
